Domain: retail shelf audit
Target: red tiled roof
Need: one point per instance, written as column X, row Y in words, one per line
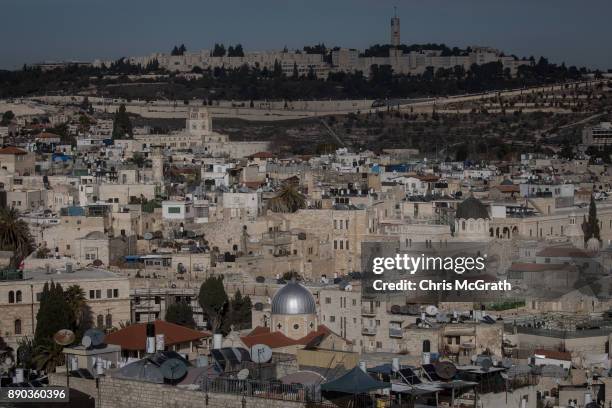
column 12, row 150
column 263, row 335
column 556, row 355
column 134, row 337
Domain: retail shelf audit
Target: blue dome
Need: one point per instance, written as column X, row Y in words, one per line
column 293, row 299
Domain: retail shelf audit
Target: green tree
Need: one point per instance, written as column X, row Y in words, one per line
column 590, row 226
column 289, row 200
column 238, row 315
column 7, row 117
column 15, row 235
column 53, row 314
column 214, row 301
column 122, row 126
column 180, row 313
column 83, row 319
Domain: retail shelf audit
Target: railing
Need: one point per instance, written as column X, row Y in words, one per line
column 368, row 310
column 369, row 331
column 261, row 389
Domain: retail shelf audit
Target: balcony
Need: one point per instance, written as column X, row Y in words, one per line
column 368, row 310
column 369, row 331
column 396, row 333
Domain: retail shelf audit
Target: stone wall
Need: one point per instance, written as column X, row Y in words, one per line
column 115, row 393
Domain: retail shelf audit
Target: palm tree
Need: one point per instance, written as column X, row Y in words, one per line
column 288, row 200
column 75, row 297
column 15, row 235
column 48, row 357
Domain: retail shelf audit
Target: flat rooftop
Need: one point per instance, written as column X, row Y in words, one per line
column 87, row 273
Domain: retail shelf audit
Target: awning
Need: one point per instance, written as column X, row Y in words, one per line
column 354, row 382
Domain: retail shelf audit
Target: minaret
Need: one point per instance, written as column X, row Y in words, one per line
column 395, row 30
column 157, row 164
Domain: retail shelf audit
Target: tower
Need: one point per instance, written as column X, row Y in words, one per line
column 395, row 31
column 199, row 121
column 157, row 165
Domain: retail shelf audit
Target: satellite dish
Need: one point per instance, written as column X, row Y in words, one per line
column 486, row 364
column 260, row 353
column 445, row 369
column 148, row 236
column 243, row 374
column 93, row 338
column 86, row 341
column 173, row 369
column 431, row 310
column 64, row 337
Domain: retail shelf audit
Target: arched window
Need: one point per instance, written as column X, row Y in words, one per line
column 11, row 297
column 109, row 321
column 426, row 346
column 100, row 321
column 463, row 225
column 17, row 326
column 18, row 296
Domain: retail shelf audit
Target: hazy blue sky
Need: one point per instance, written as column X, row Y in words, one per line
column 578, row 32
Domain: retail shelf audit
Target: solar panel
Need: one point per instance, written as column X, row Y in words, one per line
column 219, row 358
column 230, row 356
column 431, row 372
column 244, row 354
column 409, row 377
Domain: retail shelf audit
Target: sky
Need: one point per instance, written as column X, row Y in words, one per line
column 577, row 32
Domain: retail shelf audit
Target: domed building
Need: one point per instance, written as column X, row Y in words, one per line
column 472, row 219
column 294, row 311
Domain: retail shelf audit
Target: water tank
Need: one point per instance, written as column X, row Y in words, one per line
column 395, row 364
column 19, row 377
column 160, row 343
column 217, row 340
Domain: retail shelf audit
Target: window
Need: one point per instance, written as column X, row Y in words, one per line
column 174, row 210
column 332, row 319
column 109, row 293
column 379, row 344
column 116, row 293
column 98, row 293
column 109, row 321
column 296, row 326
column 18, row 297
column 354, row 302
column 92, row 294
column 11, row 297
column 100, row 321
column 17, row 326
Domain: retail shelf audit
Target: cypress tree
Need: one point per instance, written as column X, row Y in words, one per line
column 54, row 314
